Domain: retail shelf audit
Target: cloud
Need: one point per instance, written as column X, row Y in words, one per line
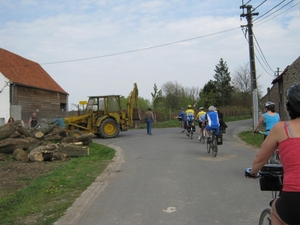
column 53, row 31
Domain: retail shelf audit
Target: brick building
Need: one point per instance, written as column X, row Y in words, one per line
column 277, row 93
column 26, row 88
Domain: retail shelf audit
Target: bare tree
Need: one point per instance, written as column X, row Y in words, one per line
column 241, row 78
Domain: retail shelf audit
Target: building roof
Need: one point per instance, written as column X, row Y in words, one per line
column 26, row 72
column 280, row 76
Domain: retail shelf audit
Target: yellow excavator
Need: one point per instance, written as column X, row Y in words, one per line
column 104, row 116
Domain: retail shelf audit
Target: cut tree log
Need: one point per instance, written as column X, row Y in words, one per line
column 39, row 135
column 6, row 130
column 42, row 153
column 60, row 130
column 50, row 128
column 20, row 155
column 15, row 134
column 73, row 150
column 21, row 129
column 52, row 137
column 8, row 145
column 84, row 138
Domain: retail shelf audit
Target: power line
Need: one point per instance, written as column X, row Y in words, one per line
column 277, row 10
column 138, row 50
column 256, row 55
column 269, row 11
column 262, row 54
column 278, row 14
column 258, row 6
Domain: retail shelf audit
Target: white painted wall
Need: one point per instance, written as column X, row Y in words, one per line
column 4, row 99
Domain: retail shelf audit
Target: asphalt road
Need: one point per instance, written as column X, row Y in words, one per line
column 167, row 178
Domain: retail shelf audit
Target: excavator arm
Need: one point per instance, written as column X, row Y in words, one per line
column 132, row 105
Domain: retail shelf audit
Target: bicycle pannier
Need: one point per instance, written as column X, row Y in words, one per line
column 268, row 182
column 219, row 139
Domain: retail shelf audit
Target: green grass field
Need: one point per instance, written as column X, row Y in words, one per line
column 47, row 197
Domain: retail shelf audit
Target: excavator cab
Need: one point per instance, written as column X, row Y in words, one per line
column 104, row 117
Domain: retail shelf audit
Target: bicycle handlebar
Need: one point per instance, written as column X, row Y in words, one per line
column 263, row 173
column 249, row 175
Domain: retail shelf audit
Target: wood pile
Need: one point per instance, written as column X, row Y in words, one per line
column 52, row 143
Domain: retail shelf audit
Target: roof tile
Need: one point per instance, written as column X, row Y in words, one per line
column 23, row 71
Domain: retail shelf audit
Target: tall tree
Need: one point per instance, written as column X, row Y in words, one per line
column 222, row 82
column 173, row 93
column 242, row 83
column 156, row 97
column 208, row 94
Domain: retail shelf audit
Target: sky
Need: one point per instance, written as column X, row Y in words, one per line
column 102, row 47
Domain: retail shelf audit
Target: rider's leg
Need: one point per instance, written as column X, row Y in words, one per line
column 207, row 129
column 182, row 126
column 274, row 216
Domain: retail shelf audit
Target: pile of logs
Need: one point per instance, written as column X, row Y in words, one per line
column 52, row 143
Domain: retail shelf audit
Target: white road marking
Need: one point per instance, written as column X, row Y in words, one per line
column 170, row 209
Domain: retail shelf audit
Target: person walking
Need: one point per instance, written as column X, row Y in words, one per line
column 285, row 135
column 149, row 121
column 33, row 121
column 270, row 118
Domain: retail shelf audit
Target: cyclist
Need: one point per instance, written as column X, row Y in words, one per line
column 200, row 117
column 181, row 118
column 270, row 118
column 285, row 135
column 212, row 119
column 190, row 116
column 223, row 125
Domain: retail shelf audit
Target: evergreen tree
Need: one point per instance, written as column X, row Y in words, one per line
column 222, row 82
column 157, row 97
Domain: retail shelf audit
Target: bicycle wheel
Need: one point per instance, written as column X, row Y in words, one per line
column 208, row 147
column 214, row 146
column 202, row 140
column 265, row 217
column 191, row 134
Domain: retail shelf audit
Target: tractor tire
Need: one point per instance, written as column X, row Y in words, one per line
column 109, row 128
column 75, row 133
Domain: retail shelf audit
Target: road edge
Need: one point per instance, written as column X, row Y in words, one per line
column 86, row 199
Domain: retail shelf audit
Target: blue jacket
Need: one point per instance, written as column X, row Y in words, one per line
column 212, row 119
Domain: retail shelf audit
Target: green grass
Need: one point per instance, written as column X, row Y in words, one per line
column 229, row 119
column 251, row 139
column 47, row 197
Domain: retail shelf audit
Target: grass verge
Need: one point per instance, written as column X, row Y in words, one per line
column 47, row 197
column 251, row 139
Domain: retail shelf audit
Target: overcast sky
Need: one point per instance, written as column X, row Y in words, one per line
column 99, row 47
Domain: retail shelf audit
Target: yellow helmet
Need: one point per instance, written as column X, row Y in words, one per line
column 189, row 106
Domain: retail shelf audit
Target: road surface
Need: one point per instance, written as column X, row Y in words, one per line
column 167, row 178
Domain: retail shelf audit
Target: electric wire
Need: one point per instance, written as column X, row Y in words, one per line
column 262, row 54
column 141, row 49
column 276, row 10
column 257, row 56
column 258, row 6
column 260, row 23
column 269, row 10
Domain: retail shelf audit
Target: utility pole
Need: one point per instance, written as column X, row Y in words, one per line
column 249, row 14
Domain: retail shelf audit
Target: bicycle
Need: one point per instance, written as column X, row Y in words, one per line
column 271, row 176
column 212, row 144
column 190, row 128
column 275, row 158
column 202, row 138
